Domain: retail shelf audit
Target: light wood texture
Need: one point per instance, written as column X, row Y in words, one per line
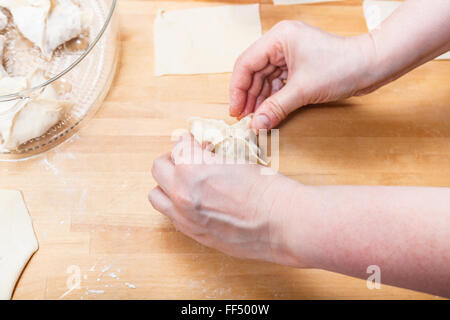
column 88, row 198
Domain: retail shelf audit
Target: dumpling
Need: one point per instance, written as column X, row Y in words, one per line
column 47, row 24
column 64, row 23
column 8, row 109
column 10, row 85
column 208, row 130
column 235, row 141
column 30, row 118
column 30, row 17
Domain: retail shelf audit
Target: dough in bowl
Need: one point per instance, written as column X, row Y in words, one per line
column 48, row 23
column 24, row 119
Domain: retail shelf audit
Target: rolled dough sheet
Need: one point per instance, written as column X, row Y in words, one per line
column 286, row 2
column 376, row 11
column 17, row 240
column 204, row 40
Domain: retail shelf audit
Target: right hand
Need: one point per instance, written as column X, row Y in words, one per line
column 295, row 64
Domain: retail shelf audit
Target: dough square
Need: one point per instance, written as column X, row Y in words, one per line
column 204, row 40
column 17, row 240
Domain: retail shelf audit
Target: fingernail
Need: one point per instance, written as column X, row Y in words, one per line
column 261, row 122
column 234, row 112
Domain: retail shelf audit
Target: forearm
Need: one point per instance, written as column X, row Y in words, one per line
column 403, row 230
column 418, row 31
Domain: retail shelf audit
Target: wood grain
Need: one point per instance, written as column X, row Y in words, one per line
column 88, row 198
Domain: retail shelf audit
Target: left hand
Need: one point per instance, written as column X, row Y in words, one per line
column 229, row 207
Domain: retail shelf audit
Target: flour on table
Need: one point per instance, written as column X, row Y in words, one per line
column 235, row 141
column 17, row 240
column 204, row 40
column 376, row 11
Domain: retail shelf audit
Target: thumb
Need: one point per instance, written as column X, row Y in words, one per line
column 277, row 107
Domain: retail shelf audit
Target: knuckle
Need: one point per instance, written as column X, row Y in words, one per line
column 276, row 109
column 183, row 200
column 155, row 166
column 239, row 60
column 286, row 27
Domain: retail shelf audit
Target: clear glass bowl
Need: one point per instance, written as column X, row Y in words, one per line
column 88, row 74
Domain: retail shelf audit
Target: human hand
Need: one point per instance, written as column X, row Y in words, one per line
column 293, row 65
column 229, row 207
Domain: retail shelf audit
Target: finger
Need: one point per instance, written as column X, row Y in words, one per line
column 277, row 107
column 258, row 81
column 262, row 80
column 184, row 150
column 161, row 202
column 277, row 85
column 277, row 73
column 267, row 88
column 254, row 59
column 189, row 151
column 259, row 78
column 265, row 92
column 249, row 106
column 163, row 171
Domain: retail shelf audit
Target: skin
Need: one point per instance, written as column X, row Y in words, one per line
column 236, row 209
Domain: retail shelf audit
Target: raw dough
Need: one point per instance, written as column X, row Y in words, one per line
column 235, row 141
column 28, row 118
column 204, row 40
column 283, row 2
column 3, row 21
column 3, row 72
column 17, row 240
column 376, row 11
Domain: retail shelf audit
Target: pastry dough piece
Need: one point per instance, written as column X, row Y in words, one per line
column 3, row 72
column 32, row 117
column 237, row 141
column 284, row 2
column 3, row 21
column 17, row 240
column 204, row 40
column 376, row 11
column 30, row 17
column 64, row 23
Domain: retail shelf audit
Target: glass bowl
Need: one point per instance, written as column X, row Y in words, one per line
column 88, row 73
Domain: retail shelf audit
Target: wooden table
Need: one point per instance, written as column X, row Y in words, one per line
column 88, row 198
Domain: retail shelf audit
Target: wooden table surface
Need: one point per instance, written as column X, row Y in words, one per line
column 88, row 198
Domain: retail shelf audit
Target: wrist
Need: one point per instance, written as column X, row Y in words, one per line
column 369, row 74
column 291, row 236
